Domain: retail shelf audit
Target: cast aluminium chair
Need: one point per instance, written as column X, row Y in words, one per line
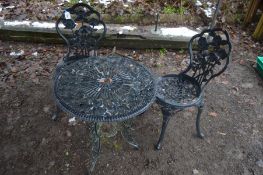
column 79, row 27
column 209, row 56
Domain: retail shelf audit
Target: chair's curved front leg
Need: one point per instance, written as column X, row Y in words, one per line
column 166, row 117
column 200, row 107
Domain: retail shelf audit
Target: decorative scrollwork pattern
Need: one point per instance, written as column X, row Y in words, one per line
column 82, row 29
column 104, row 89
column 178, row 89
column 210, row 57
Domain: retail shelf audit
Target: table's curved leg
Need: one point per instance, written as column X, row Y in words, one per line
column 95, row 147
column 126, row 132
column 56, row 113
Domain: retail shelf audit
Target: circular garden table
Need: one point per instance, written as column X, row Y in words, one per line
column 104, row 89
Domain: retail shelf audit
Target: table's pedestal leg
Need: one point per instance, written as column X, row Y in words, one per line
column 95, row 147
column 126, row 132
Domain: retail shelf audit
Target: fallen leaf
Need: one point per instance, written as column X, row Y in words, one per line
column 36, row 80
column 242, row 62
column 235, row 88
column 69, row 134
column 225, row 82
column 191, row 109
column 46, row 109
column 195, row 171
column 212, row 114
column 2, row 65
column 221, row 133
column 13, row 69
column 247, row 85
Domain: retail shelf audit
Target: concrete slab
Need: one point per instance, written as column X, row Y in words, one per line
column 124, row 36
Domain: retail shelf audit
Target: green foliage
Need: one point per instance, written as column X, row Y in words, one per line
column 171, row 10
column 105, row 140
column 163, row 51
column 181, row 51
column 73, row 1
column 117, row 146
column 239, row 18
column 119, row 19
column 181, row 10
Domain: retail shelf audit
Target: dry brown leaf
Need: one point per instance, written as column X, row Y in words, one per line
column 242, row 62
column 225, row 82
column 35, row 80
column 14, row 69
column 212, row 114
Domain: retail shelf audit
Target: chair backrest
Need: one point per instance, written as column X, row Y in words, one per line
column 209, row 55
column 81, row 28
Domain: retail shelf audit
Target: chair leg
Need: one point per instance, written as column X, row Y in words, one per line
column 198, row 129
column 166, row 118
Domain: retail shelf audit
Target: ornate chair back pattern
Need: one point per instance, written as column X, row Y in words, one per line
column 81, row 25
column 209, row 55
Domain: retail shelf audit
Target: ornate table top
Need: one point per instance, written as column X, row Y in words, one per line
column 104, row 89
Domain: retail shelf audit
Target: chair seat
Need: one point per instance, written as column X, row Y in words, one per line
column 178, row 90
